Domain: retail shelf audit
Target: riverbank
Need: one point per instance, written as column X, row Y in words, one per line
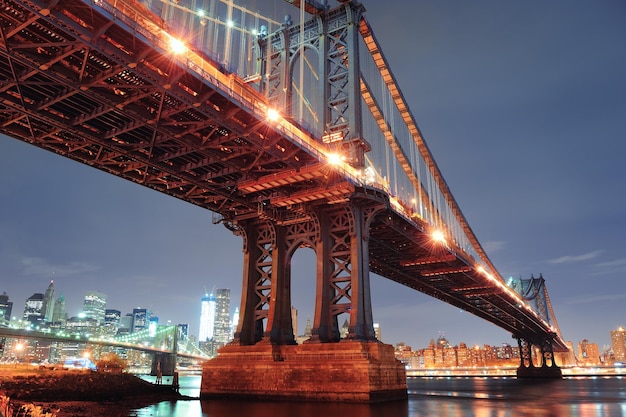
column 72, row 393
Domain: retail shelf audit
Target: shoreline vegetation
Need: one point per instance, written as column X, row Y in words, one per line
column 51, row 392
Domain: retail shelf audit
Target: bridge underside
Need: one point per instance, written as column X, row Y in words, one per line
column 88, row 83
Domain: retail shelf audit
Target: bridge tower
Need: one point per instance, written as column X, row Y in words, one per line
column 264, row 361
column 534, row 291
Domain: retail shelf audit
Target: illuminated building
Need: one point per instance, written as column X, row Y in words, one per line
column 32, row 308
column 618, row 344
column 112, row 321
column 59, row 315
column 377, row 332
column 153, row 324
column 222, row 317
column 47, row 308
column 183, row 331
column 207, row 317
column 235, row 323
column 6, row 307
column 588, row 353
column 95, row 305
column 141, row 320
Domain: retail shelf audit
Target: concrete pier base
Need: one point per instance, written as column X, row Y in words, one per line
column 345, row 371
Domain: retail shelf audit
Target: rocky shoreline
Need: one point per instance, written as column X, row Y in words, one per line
column 62, row 393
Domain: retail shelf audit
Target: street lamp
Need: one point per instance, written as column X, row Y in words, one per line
column 19, row 347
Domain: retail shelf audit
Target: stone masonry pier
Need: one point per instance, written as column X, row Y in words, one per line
column 347, row 371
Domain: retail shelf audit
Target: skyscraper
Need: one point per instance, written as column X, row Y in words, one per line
column 222, row 316
column 59, row 315
column 141, row 320
column 618, row 343
column 32, row 308
column 95, row 305
column 6, row 307
column 183, row 331
column 235, row 323
column 207, row 317
column 112, row 321
column 47, row 309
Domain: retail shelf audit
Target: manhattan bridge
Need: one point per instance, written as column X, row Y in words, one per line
column 293, row 131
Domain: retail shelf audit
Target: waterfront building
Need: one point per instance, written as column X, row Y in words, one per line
column 463, row 355
column 222, row 317
column 6, row 307
column 450, row 359
column 618, row 344
column 94, row 305
column 59, row 315
column 477, row 356
column 429, row 355
column 588, row 353
column 207, row 317
column 47, row 308
column 32, row 308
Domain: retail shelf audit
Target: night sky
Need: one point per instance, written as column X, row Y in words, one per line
column 523, row 105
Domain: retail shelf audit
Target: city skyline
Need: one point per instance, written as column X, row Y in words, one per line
column 523, row 112
column 616, row 335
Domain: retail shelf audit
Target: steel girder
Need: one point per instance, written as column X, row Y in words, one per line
column 333, row 36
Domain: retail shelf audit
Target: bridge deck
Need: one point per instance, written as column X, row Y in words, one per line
column 97, row 84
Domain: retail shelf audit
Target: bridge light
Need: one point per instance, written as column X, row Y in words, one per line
column 438, row 236
column 335, row 159
column 177, row 46
column 272, row 115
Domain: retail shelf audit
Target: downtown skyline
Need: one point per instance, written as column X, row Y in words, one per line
column 524, row 113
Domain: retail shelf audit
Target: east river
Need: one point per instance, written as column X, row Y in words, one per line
column 428, row 397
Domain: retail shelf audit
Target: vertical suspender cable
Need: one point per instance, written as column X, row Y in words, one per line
column 301, row 57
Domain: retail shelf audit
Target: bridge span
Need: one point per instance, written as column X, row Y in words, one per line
column 331, row 159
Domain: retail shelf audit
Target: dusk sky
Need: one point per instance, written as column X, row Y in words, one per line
column 523, row 105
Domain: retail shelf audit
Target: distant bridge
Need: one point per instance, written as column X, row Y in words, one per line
column 295, row 134
column 180, row 350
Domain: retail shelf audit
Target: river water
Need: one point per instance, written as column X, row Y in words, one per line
column 428, row 397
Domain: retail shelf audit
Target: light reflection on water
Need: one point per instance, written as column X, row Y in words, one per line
column 428, row 397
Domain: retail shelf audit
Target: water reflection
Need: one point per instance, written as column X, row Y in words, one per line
column 299, row 409
column 451, row 397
